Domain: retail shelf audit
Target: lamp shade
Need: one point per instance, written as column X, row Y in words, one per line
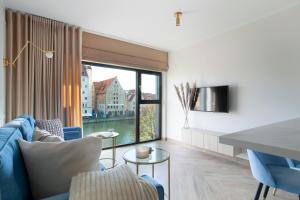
column 49, row 54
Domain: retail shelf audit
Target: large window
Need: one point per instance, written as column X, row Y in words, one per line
column 125, row 100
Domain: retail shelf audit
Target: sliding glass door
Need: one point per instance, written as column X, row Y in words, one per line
column 125, row 100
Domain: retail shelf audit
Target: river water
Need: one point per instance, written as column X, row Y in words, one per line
column 125, row 128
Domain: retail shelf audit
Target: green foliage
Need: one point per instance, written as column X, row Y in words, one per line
column 148, row 122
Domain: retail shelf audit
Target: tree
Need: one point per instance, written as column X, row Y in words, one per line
column 148, row 125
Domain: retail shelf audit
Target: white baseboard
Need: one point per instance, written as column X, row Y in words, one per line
column 236, row 159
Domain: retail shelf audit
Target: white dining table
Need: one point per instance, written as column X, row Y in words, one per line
column 281, row 139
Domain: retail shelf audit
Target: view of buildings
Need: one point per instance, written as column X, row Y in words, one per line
column 106, row 98
column 86, row 91
column 107, row 105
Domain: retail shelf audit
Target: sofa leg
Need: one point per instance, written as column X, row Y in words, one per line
column 266, row 192
column 257, row 195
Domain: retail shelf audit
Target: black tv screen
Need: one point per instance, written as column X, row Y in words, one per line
column 211, row 99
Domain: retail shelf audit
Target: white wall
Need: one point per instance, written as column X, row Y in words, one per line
column 260, row 62
column 2, row 69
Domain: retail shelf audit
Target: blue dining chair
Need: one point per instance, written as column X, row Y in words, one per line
column 273, row 171
column 292, row 164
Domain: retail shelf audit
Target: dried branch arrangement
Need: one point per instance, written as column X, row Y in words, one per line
column 185, row 96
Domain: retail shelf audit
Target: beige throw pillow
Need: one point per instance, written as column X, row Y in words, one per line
column 45, row 136
column 51, row 165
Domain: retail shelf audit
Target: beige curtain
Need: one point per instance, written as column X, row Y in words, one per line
column 36, row 85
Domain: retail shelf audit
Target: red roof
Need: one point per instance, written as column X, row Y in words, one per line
column 101, row 86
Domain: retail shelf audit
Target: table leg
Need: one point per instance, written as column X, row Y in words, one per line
column 126, row 162
column 169, row 179
column 137, row 169
column 152, row 170
column 114, row 151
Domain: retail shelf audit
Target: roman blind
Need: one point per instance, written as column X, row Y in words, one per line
column 96, row 48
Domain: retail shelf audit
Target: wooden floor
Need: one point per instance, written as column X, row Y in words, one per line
column 200, row 175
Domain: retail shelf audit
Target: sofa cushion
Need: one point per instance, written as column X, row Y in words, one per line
column 51, row 165
column 13, row 178
column 45, row 136
column 24, row 126
column 54, row 126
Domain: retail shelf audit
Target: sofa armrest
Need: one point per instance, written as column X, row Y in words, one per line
column 150, row 180
column 71, row 133
column 159, row 187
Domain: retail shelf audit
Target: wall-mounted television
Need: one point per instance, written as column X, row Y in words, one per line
column 211, row 99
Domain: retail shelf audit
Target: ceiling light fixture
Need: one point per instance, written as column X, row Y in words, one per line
column 178, row 15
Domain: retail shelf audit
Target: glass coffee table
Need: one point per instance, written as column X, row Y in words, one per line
column 158, row 155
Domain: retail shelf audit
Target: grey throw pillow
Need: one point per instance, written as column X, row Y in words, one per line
column 45, row 136
column 51, row 165
column 54, row 126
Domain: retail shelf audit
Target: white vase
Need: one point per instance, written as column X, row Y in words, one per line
column 186, row 124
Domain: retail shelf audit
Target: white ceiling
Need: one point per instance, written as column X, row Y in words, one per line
column 151, row 22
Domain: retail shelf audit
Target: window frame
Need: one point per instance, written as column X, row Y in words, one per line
column 139, row 100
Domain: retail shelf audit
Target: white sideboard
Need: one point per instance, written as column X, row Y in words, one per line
column 208, row 140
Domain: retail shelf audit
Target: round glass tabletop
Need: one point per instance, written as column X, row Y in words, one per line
column 105, row 134
column 157, row 156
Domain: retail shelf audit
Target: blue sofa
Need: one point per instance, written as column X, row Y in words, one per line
column 14, row 184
